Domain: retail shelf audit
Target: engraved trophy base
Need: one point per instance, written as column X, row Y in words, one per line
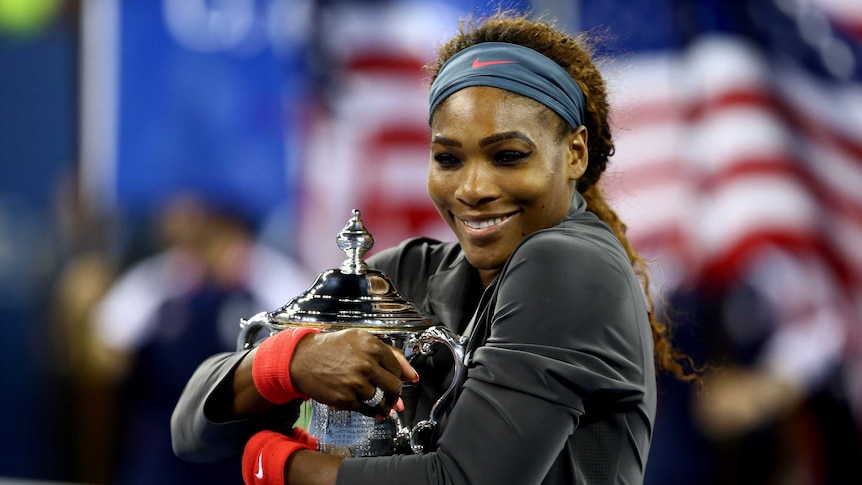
column 349, row 433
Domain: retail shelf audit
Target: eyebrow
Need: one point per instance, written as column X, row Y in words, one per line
column 506, row 135
column 442, row 140
column 497, row 137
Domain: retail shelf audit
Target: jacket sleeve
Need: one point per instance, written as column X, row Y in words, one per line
column 568, row 335
column 199, row 431
column 195, row 435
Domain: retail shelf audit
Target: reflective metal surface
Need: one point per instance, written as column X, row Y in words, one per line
column 354, row 296
column 351, row 296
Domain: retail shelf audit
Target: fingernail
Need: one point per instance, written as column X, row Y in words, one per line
column 416, row 379
column 399, row 405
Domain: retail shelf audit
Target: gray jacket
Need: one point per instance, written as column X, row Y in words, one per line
column 560, row 387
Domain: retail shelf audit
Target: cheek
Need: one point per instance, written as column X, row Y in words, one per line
column 537, row 189
column 548, row 196
column 437, row 186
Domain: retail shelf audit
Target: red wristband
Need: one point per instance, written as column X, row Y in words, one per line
column 301, row 436
column 265, row 456
column 271, row 367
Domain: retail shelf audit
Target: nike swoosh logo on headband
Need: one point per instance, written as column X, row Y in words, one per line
column 478, row 63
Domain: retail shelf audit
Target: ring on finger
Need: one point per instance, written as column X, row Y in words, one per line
column 375, row 400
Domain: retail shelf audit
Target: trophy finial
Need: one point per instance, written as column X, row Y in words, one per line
column 355, row 241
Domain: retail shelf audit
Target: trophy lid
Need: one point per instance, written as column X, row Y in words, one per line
column 352, row 296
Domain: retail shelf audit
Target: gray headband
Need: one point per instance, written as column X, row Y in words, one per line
column 514, row 68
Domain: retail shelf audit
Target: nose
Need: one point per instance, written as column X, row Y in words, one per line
column 476, row 185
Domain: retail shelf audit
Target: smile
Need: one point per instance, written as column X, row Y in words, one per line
column 478, row 224
column 485, row 223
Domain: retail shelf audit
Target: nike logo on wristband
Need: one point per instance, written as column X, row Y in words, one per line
column 259, row 472
column 478, row 63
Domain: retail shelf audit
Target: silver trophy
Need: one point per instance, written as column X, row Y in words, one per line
column 354, row 296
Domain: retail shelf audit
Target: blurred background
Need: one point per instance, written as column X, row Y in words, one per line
column 170, row 166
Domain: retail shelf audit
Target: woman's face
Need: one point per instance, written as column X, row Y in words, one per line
column 500, row 171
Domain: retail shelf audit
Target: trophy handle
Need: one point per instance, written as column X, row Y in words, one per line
column 422, row 434
column 249, row 330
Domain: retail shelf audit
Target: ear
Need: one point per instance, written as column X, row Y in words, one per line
column 578, row 152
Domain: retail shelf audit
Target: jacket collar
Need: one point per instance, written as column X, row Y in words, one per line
column 454, row 292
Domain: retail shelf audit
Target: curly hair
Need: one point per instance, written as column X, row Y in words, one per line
column 575, row 55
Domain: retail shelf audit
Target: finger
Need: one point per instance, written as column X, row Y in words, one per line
column 376, row 399
column 390, row 384
column 375, row 405
column 408, row 373
column 381, row 404
column 387, row 371
column 397, row 364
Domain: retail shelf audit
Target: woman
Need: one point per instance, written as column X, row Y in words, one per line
column 561, row 384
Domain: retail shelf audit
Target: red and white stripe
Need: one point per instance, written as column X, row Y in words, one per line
column 731, row 167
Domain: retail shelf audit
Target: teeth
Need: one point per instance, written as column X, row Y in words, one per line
column 484, row 224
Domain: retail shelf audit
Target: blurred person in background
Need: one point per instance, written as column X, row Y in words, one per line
column 776, row 404
column 774, row 408
column 84, row 419
column 168, row 311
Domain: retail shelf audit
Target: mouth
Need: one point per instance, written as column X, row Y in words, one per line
column 485, row 224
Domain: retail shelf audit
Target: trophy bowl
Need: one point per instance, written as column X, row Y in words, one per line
column 354, row 296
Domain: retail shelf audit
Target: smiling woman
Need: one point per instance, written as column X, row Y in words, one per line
column 563, row 345
column 497, row 173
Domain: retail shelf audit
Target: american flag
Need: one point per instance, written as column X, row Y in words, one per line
column 739, row 160
column 739, row 155
column 367, row 144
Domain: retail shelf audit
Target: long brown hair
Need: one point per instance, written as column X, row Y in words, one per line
column 575, row 55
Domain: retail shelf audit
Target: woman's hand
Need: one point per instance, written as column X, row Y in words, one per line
column 342, row 369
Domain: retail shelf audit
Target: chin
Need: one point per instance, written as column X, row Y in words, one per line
column 483, row 263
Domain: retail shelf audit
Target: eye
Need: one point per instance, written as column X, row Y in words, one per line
column 447, row 160
column 509, row 157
